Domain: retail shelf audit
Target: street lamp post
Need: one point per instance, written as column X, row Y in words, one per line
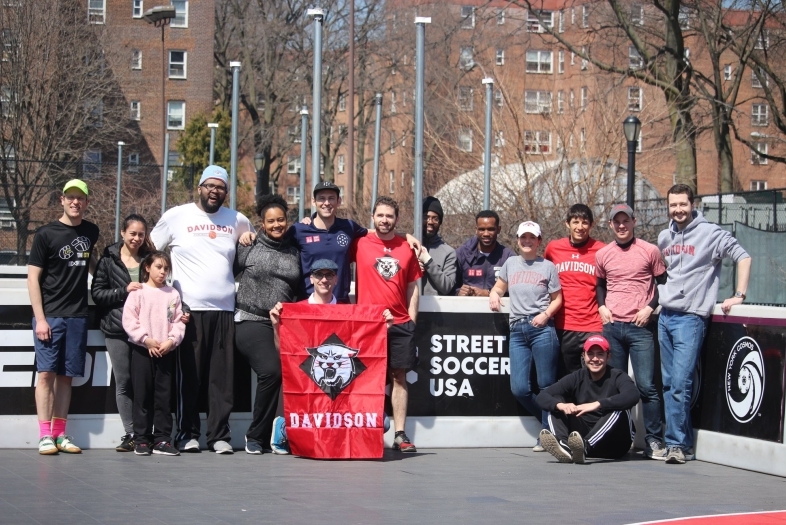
column 235, row 67
column 213, row 127
column 160, row 16
column 489, row 83
column 119, row 187
column 632, row 128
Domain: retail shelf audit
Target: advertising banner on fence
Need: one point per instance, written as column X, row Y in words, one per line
column 742, row 378
column 333, row 362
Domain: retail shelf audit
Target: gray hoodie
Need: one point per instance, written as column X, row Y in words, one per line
column 440, row 276
column 693, row 262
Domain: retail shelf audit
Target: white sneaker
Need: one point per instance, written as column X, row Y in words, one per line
column 554, row 447
column 222, row 447
column 188, row 445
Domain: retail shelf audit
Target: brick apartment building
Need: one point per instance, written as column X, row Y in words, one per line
column 187, row 56
column 548, row 102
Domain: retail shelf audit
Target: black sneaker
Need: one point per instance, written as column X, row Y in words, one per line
column 142, row 449
column 126, row 444
column 165, row 448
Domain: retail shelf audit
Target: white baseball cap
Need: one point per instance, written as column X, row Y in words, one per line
column 528, row 227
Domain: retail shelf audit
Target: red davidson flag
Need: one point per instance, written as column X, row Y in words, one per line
column 333, row 362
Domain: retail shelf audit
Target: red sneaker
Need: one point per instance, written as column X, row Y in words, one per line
column 402, row 443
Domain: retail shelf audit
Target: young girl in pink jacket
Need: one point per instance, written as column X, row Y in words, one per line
column 151, row 318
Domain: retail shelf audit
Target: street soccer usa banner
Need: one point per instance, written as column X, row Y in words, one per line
column 333, row 361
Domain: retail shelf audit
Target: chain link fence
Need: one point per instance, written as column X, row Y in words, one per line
column 31, row 189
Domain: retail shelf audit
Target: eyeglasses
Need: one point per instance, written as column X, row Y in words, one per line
column 434, row 220
column 323, row 275
column 214, row 187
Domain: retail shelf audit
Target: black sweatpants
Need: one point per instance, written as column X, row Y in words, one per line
column 151, row 379
column 206, row 360
column 255, row 342
column 608, row 436
column 571, row 349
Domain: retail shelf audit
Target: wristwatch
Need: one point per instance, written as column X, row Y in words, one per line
column 740, row 295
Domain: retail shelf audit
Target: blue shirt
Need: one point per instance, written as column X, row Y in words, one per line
column 332, row 244
column 477, row 269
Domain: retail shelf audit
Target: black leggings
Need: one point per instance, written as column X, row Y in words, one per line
column 151, row 379
column 254, row 341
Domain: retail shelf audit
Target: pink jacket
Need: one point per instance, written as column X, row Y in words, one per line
column 153, row 312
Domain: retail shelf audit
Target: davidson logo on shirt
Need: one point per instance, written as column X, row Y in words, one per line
column 387, row 267
column 332, row 365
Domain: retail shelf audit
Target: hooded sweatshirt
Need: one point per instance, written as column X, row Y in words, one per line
column 440, row 276
column 693, row 263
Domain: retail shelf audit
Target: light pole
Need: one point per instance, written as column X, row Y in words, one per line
column 213, row 127
column 160, row 16
column 119, row 185
column 263, row 184
column 316, row 101
column 489, row 83
column 420, row 73
column 235, row 67
column 632, row 128
column 303, row 138
column 377, row 131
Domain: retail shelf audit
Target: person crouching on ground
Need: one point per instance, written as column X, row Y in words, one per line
column 151, row 318
column 589, row 409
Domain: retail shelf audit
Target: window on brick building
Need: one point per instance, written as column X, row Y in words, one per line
column 635, row 61
column 560, row 102
column 136, row 59
column 535, row 25
column 392, row 181
column 467, row 57
column 293, row 164
column 585, row 12
column 537, row 142
column 465, row 98
column 500, row 57
column 756, row 151
column 342, row 102
column 181, row 13
column 340, row 163
column 293, row 195
column 758, row 185
column 760, row 115
column 539, row 61
column 96, row 11
column 727, row 71
column 392, row 142
column 176, row 114
column 465, row 139
column 684, row 18
column 634, row 99
column 537, row 101
column 91, row 164
column 583, row 60
column 759, row 78
column 136, row 110
column 561, row 61
column 177, row 64
column 499, row 100
column 392, row 101
column 763, row 41
column 500, row 16
column 133, row 162
column 467, row 17
column 584, row 96
column 499, row 139
column 637, row 14
column 561, row 22
column 137, row 9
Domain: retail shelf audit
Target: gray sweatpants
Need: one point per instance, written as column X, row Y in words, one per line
column 120, row 357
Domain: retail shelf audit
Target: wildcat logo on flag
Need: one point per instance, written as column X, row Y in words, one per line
column 334, row 361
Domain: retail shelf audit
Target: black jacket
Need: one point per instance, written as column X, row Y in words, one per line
column 109, row 290
column 615, row 391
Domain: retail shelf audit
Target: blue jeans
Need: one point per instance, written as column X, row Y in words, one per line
column 529, row 344
column 627, row 339
column 680, row 336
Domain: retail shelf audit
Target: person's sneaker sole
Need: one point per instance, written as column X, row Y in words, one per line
column 549, row 442
column 576, row 446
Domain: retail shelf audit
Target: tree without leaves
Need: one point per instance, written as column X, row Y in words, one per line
column 60, row 99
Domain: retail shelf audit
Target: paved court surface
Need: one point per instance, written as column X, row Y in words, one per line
column 435, row 486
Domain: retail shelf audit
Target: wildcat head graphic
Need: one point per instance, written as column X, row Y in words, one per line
column 332, row 365
column 387, row 267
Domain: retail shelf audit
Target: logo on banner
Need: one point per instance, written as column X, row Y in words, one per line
column 387, row 267
column 332, row 365
column 745, row 379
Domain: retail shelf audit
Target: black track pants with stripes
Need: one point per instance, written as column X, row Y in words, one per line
column 605, row 436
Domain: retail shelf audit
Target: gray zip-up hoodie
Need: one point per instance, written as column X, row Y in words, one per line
column 693, row 262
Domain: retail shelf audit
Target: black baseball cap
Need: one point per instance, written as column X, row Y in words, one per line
column 326, row 185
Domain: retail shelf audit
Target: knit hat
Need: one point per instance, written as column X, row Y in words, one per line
column 214, row 172
column 433, row 204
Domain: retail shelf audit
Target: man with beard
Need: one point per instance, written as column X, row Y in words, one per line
column 693, row 250
column 438, row 260
column 387, row 274
column 202, row 238
column 481, row 258
column 574, row 257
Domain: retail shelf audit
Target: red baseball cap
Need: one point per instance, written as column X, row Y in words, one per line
column 596, row 340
